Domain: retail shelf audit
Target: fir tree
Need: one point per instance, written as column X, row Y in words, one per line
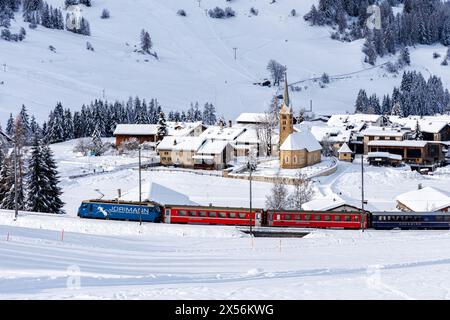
column 417, row 133
column 53, row 191
column 162, row 127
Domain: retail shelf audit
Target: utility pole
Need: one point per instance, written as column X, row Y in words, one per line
column 140, row 188
column 251, row 165
column 199, row 1
column 362, row 192
column 235, row 49
column 251, row 222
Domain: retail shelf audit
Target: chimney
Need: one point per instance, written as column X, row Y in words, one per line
column 419, row 186
column 174, row 142
column 230, row 123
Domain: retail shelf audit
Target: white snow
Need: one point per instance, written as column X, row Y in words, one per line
column 345, row 149
column 186, row 264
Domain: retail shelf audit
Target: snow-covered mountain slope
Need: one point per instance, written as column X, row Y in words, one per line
column 196, row 59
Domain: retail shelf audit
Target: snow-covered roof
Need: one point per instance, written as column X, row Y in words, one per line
column 219, row 133
column 430, row 124
column 426, row 199
column 213, row 147
column 323, row 204
column 136, row 129
column 384, row 155
column 182, row 128
column 340, row 119
column 301, row 140
column 345, row 149
column 180, row 143
column 392, row 143
column 383, row 132
column 249, row 136
column 251, row 117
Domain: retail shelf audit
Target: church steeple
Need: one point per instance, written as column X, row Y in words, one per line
column 287, row 106
column 286, row 114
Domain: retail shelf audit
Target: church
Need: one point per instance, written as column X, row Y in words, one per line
column 298, row 148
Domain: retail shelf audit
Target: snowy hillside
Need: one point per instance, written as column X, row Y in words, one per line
column 196, row 59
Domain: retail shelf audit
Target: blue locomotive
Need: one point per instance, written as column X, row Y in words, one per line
column 114, row 210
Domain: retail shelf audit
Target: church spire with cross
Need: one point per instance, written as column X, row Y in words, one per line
column 286, row 114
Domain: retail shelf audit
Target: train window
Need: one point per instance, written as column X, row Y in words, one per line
column 317, row 217
column 242, row 215
column 212, row 214
column 298, row 217
column 90, row 207
column 356, row 218
column 447, row 218
column 337, row 218
column 182, row 213
column 202, row 213
column 287, row 217
column 307, row 217
column 347, row 218
column 192, row 213
column 232, row 214
column 222, row 214
column 327, row 218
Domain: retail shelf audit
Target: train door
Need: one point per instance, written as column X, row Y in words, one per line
column 167, row 216
column 258, row 219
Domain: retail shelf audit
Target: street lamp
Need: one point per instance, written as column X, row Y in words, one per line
column 16, row 194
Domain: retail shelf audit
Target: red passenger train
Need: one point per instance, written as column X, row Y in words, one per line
column 260, row 217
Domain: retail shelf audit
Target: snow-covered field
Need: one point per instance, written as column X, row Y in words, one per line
column 189, row 263
column 196, row 59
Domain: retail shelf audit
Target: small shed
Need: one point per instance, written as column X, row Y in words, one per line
column 345, row 153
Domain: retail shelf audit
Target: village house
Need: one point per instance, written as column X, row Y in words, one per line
column 382, row 133
column 213, row 155
column 426, row 199
column 142, row 132
column 148, row 132
column 297, row 149
column 355, row 119
column 433, row 128
column 251, row 118
column 179, row 151
column 418, row 154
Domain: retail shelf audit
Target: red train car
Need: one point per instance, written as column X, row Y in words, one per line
column 316, row 219
column 213, row 215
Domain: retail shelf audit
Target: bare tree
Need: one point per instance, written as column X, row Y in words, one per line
column 277, row 71
column 327, row 147
column 265, row 129
column 303, row 191
column 278, row 197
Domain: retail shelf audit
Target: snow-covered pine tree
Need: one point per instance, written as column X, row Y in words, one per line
column 96, row 143
column 209, row 114
column 56, row 125
column 162, row 127
column 6, row 184
column 37, row 184
column 397, row 110
column 10, row 125
column 146, row 41
column 417, row 133
column 362, row 102
column 53, row 191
